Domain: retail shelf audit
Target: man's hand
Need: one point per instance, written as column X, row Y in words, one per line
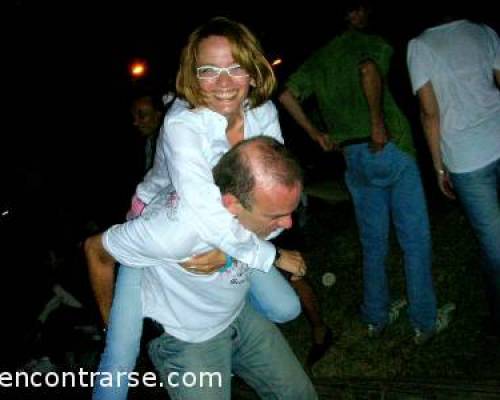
column 292, row 261
column 323, row 139
column 206, row 263
column 380, row 137
column 326, row 142
column 445, row 185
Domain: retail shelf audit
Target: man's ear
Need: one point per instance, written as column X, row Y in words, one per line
column 232, row 204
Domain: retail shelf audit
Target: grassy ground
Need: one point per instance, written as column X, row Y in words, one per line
column 460, row 354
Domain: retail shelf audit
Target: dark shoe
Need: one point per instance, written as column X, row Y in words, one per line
column 318, row 350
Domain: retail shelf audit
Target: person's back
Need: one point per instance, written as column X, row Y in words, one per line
column 462, row 57
column 458, row 57
column 332, row 74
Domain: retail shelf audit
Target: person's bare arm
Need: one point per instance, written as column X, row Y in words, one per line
column 101, row 268
column 429, row 116
column 206, row 263
column 292, row 105
column 212, row 261
column 372, row 84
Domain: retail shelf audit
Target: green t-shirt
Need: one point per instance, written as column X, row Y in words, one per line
column 332, row 75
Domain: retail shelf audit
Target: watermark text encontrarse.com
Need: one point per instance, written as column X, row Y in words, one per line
column 22, row 379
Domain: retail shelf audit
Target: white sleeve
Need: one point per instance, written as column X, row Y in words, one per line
column 157, row 178
column 420, row 64
column 192, row 178
column 270, row 121
column 495, row 46
column 140, row 242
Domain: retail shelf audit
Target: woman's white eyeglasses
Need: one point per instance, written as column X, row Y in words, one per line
column 213, row 72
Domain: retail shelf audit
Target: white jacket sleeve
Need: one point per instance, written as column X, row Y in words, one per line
column 157, row 178
column 267, row 115
column 191, row 176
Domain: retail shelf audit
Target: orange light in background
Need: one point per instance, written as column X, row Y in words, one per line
column 138, row 69
column 278, row 61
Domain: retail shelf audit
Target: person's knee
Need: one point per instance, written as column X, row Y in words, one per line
column 287, row 311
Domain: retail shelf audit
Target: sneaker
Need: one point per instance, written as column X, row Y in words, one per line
column 442, row 321
column 375, row 331
column 395, row 309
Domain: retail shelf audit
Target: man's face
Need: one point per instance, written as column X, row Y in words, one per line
column 358, row 19
column 224, row 94
column 272, row 209
column 147, row 119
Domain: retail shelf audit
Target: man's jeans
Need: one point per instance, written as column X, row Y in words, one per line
column 270, row 294
column 251, row 347
column 383, row 185
column 479, row 193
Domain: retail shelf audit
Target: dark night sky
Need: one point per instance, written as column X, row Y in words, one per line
column 68, row 153
column 66, row 79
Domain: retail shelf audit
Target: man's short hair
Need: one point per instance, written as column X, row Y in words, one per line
column 348, row 6
column 234, row 174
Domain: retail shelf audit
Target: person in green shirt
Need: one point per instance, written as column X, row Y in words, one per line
column 347, row 77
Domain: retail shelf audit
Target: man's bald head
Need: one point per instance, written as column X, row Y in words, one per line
column 261, row 161
column 261, row 185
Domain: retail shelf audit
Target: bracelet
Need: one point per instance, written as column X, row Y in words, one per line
column 228, row 264
column 441, row 171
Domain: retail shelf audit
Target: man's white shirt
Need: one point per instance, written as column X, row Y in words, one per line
column 459, row 58
column 191, row 307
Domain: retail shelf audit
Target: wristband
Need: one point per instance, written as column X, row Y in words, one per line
column 228, row 264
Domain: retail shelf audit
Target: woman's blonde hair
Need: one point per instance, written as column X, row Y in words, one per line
column 246, row 51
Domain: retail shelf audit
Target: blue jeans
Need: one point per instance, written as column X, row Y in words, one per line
column 270, row 294
column 478, row 192
column 123, row 338
column 383, row 185
column 251, row 347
